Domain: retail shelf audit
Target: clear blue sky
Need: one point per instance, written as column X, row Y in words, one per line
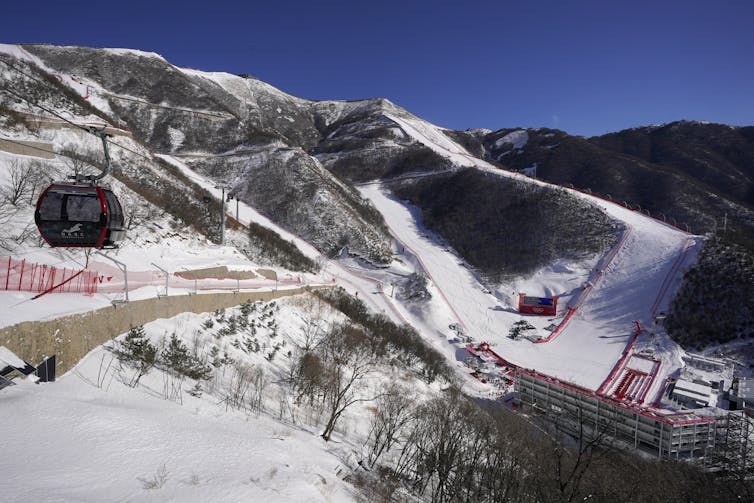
column 587, row 67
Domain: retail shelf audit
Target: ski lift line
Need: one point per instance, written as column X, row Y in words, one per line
column 39, row 119
column 88, row 88
column 48, row 110
column 83, row 128
column 139, row 154
column 217, row 115
column 61, row 154
column 89, row 129
column 26, row 145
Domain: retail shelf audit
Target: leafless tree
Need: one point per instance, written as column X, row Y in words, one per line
column 435, row 448
column 567, row 463
column 17, row 186
column 394, row 413
column 39, row 177
column 342, row 361
column 314, row 321
column 77, row 163
column 239, row 386
column 259, row 382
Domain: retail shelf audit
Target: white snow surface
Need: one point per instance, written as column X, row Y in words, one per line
column 517, row 138
column 8, row 357
column 635, row 286
column 91, row 438
column 104, row 443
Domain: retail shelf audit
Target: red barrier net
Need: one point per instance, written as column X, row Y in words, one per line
column 21, row 275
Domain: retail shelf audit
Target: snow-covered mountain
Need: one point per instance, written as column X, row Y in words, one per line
column 431, row 239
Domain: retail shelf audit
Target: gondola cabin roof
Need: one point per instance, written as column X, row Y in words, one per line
column 79, row 215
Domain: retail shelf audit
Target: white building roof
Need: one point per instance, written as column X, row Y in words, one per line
column 694, row 391
column 746, row 388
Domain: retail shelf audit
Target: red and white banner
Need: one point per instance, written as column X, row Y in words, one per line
column 546, row 306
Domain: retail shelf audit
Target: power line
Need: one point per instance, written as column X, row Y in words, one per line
column 59, row 116
column 30, row 102
column 218, row 115
column 26, row 145
column 33, row 103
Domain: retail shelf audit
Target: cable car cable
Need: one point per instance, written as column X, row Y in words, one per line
column 78, row 126
column 26, row 145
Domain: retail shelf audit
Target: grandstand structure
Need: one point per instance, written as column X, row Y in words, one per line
column 688, row 435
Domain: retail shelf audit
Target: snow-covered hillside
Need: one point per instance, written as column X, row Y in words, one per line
column 635, row 285
column 92, row 436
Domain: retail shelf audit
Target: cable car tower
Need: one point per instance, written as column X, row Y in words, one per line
column 81, row 213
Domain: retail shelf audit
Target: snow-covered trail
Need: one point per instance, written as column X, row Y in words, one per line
column 635, row 285
column 453, row 281
column 366, row 288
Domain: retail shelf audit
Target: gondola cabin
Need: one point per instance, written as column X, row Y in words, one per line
column 79, row 216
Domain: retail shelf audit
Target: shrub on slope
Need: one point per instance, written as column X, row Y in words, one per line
column 716, row 299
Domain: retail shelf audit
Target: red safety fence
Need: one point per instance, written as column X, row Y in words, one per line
column 619, row 366
column 606, row 261
column 671, row 275
column 24, row 276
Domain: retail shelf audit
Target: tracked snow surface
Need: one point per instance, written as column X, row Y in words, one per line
column 89, row 437
column 634, row 282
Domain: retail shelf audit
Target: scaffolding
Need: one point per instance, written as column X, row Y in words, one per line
column 735, row 446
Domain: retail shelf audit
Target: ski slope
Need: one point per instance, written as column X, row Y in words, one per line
column 635, row 285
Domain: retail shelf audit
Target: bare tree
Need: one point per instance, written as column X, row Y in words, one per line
column 434, row 451
column 259, row 382
column 455, row 451
column 18, row 184
column 568, row 463
column 307, row 378
column 239, row 386
column 39, row 177
column 313, row 317
column 76, row 163
column 394, row 413
column 347, row 361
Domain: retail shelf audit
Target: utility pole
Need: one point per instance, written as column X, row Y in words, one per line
column 222, row 217
column 231, row 195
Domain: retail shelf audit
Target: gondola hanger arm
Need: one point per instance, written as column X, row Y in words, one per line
column 99, row 132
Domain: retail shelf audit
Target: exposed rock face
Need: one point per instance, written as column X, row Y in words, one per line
column 236, row 130
column 296, row 159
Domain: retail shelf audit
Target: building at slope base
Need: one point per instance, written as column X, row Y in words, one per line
column 690, row 435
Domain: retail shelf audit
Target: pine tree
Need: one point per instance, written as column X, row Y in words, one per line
column 177, row 357
column 137, row 351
